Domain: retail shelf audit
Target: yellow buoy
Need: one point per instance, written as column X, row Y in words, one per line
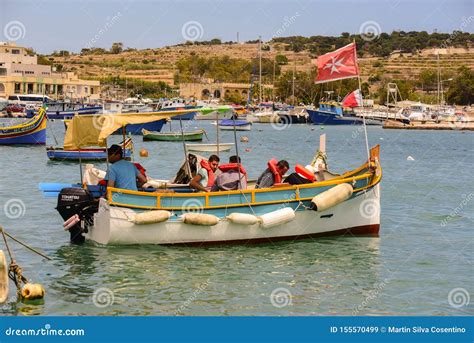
column 32, row 291
column 3, row 278
column 143, row 153
column 244, row 139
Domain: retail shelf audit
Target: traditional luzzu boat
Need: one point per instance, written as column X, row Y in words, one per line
column 345, row 204
column 173, row 136
column 33, row 131
column 86, row 154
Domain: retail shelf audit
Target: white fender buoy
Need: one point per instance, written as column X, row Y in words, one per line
column 3, row 278
column 277, row 217
column 200, row 219
column 151, row 217
column 32, row 291
column 332, row 197
column 410, row 158
column 243, row 218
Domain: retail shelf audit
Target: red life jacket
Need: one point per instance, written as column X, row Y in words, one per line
column 210, row 173
column 140, row 168
column 233, row 166
column 305, row 173
column 272, row 165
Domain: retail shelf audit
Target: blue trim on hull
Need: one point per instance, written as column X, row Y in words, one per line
column 66, row 114
column 328, row 118
column 136, row 129
column 85, row 155
column 36, row 138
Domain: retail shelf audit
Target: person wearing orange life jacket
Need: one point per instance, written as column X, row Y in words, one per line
column 228, row 179
column 205, row 177
column 273, row 174
column 302, row 175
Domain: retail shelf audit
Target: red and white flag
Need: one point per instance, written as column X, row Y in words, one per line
column 353, row 99
column 338, row 65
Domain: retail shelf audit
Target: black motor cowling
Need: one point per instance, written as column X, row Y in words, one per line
column 77, row 201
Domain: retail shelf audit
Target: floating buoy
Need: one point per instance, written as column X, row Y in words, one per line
column 3, row 278
column 32, row 291
column 331, row 197
column 409, row 158
column 151, row 217
column 244, row 139
column 143, row 153
column 243, row 218
column 200, row 219
column 277, row 217
column 248, row 150
column 322, row 127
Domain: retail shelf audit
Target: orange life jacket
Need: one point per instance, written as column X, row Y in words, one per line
column 305, row 173
column 210, row 173
column 233, row 166
column 272, row 165
column 140, row 168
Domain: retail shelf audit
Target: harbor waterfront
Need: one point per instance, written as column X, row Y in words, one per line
column 426, row 215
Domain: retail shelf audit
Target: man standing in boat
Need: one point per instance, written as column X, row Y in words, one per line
column 205, row 177
column 122, row 174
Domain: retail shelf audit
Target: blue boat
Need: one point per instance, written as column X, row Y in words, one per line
column 88, row 154
column 62, row 110
column 32, row 131
column 136, row 129
column 332, row 113
column 240, row 125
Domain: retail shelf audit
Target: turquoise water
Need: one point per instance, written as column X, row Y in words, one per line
column 424, row 251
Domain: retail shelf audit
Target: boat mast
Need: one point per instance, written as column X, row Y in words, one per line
column 294, row 72
column 260, row 68
column 439, row 79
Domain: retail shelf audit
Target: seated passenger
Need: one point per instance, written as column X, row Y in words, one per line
column 229, row 178
column 273, row 174
column 302, row 175
column 122, row 174
column 205, row 177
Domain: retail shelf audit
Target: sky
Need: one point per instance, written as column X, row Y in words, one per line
column 48, row 25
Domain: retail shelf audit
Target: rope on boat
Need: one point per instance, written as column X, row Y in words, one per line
column 27, row 291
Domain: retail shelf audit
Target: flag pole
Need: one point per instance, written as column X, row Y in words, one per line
column 363, row 111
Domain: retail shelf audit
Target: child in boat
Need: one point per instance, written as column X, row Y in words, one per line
column 273, row 174
column 229, row 179
column 122, row 174
column 205, row 177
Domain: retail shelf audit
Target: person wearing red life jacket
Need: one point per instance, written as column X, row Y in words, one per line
column 232, row 177
column 205, row 176
column 273, row 174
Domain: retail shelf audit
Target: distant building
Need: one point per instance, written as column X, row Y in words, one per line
column 215, row 90
column 20, row 73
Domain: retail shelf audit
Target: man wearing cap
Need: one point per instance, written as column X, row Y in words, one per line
column 122, row 174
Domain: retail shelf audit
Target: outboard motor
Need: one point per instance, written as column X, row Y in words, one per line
column 77, row 207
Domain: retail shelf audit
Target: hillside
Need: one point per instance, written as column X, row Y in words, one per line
column 160, row 64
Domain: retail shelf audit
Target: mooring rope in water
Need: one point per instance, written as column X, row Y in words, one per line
column 4, row 233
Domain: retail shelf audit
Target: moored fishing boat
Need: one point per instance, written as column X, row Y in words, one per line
column 32, row 131
column 86, row 154
column 173, row 136
column 229, row 124
column 209, row 147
